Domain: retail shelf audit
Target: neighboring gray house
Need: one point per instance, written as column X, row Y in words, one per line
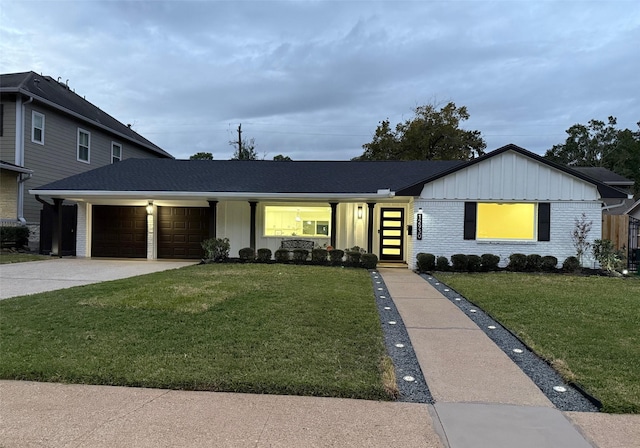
column 508, row 201
column 608, row 177
column 48, row 132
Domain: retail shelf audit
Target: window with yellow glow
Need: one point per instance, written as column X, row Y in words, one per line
column 311, row 221
column 506, row 221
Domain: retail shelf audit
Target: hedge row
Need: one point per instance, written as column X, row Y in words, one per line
column 489, row 262
column 14, row 236
column 319, row 256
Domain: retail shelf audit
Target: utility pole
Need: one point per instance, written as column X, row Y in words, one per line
column 240, row 140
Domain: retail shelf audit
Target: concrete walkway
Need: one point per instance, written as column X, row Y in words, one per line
column 482, row 400
column 17, row 279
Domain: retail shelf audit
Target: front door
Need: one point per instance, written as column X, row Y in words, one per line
column 391, row 234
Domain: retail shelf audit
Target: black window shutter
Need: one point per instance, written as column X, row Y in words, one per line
column 470, row 220
column 544, row 221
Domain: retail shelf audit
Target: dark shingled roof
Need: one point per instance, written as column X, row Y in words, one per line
column 246, row 176
column 58, row 95
column 603, row 175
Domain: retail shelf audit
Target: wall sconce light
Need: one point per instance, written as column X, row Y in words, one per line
column 359, row 211
column 420, row 211
column 150, row 208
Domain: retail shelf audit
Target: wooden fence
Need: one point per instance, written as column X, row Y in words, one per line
column 616, row 229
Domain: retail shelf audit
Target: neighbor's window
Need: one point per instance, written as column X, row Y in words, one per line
column 506, row 221
column 116, row 152
column 84, row 145
column 311, row 221
column 37, row 127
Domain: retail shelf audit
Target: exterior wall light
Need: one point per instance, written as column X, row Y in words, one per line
column 359, row 211
column 150, row 208
column 420, row 211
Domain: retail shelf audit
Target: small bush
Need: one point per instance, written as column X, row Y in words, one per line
column 247, row 254
column 459, row 262
column 369, row 261
column 264, row 255
column 548, row 263
column 534, row 263
column 14, row 236
column 517, row 262
column 571, row 264
column 282, row 255
column 319, row 255
column 300, row 255
column 353, row 258
column 474, row 262
column 489, row 262
column 426, row 262
column 442, row 264
column 608, row 257
column 336, row 256
column 216, row 249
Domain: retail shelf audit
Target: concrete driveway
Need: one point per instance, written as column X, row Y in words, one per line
column 17, row 279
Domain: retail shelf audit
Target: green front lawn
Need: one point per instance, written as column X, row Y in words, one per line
column 587, row 327
column 14, row 257
column 303, row 330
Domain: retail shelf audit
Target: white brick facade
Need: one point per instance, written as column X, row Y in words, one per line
column 443, row 226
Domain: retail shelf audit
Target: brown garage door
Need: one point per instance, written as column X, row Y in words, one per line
column 119, row 232
column 181, row 230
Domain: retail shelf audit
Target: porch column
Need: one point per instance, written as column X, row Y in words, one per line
column 56, row 234
column 213, row 218
column 370, row 208
column 334, row 222
column 252, row 236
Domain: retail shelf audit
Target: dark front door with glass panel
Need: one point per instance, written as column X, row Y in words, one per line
column 392, row 234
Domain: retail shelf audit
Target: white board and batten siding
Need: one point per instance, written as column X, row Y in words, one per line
column 508, row 177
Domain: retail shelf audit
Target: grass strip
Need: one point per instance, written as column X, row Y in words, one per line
column 588, row 328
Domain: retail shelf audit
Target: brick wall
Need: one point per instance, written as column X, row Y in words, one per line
column 442, row 232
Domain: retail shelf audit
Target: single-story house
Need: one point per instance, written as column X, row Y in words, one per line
column 509, row 200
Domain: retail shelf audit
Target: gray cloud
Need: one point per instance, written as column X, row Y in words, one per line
column 312, row 79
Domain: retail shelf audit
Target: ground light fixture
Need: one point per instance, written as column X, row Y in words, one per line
column 408, row 378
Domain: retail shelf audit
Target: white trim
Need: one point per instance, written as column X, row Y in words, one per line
column 88, row 146
column 118, row 145
column 633, row 207
column 33, row 128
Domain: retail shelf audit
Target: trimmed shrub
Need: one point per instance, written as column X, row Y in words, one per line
column 247, row 254
column 608, row 256
column 14, row 236
column 548, row 263
column 300, row 255
column 517, row 262
column 336, row 256
column 442, row 264
column 571, row 264
column 353, row 258
column 534, row 263
column 426, row 262
column 369, row 261
column 282, row 255
column 264, row 255
column 216, row 249
column 459, row 262
column 489, row 262
column 319, row 255
column 474, row 262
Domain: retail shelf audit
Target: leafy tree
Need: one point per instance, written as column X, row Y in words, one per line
column 431, row 134
column 281, row 158
column 244, row 150
column 601, row 144
column 202, row 156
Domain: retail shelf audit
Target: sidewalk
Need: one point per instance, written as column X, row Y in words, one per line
column 482, row 400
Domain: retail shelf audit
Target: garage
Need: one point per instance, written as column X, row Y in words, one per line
column 119, row 232
column 181, row 231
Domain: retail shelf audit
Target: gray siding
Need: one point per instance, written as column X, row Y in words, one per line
column 8, row 139
column 57, row 158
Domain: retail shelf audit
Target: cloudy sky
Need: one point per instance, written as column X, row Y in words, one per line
column 311, row 79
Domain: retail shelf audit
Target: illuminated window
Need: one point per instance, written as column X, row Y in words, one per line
column 280, row 220
column 506, row 221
